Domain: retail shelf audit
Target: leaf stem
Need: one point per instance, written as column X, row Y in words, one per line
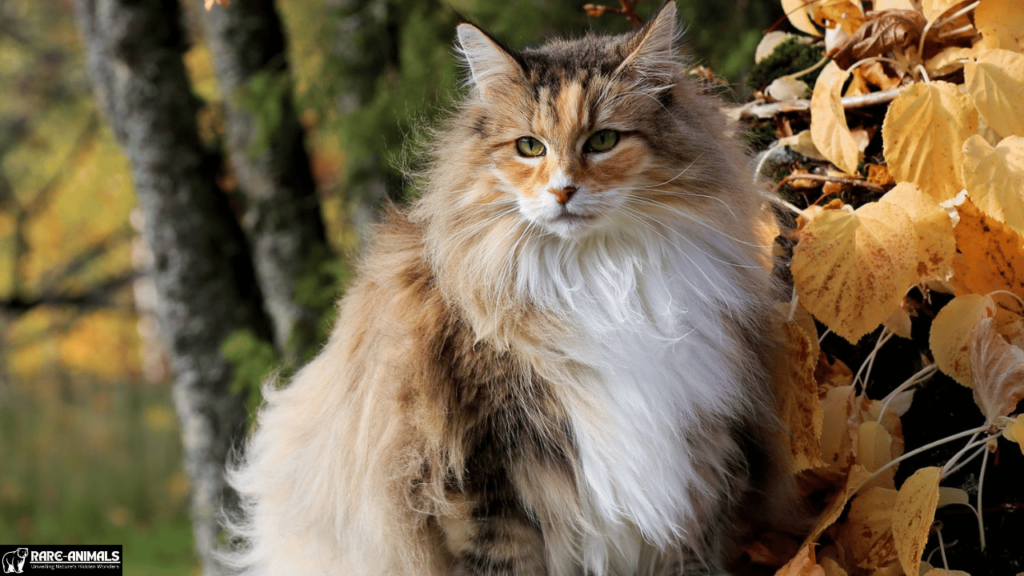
column 967, row 461
column 972, row 443
column 981, row 512
column 925, row 448
column 921, row 375
column 869, row 362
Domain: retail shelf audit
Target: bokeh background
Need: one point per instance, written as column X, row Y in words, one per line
column 90, row 443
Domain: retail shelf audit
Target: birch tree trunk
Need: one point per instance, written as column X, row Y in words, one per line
column 268, row 154
column 202, row 269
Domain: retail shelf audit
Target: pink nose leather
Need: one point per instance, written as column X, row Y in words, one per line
column 563, row 194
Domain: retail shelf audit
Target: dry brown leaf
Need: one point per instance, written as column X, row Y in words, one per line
column 878, row 174
column 935, row 240
column 851, row 269
column 831, row 373
column 1001, row 23
column 829, row 130
column 858, row 85
column 997, row 369
column 991, row 255
column 913, row 514
column 869, row 528
column 874, row 450
column 842, row 13
column 996, row 84
column 798, row 12
column 994, row 178
column 798, row 398
column 923, row 135
column 951, row 334
column 935, row 8
column 884, row 32
column 803, row 564
column 876, row 74
column 1014, row 431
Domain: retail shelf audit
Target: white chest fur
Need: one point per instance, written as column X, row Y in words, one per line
column 648, row 359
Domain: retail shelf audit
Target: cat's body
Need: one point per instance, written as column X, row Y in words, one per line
column 554, row 363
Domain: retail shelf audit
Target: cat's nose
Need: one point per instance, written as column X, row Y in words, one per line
column 563, row 194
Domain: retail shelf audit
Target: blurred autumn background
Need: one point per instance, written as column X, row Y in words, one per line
column 180, row 192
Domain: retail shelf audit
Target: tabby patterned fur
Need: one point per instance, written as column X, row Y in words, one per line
column 550, row 364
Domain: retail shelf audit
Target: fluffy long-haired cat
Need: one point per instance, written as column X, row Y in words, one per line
column 554, row 362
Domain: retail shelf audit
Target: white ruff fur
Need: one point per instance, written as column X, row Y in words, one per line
column 647, row 304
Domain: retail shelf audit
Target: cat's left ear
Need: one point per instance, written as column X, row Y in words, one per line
column 653, row 54
column 490, row 64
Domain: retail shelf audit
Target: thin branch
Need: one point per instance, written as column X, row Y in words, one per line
column 860, row 183
column 99, row 296
column 758, row 109
column 628, row 9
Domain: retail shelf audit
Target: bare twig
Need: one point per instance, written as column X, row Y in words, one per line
column 758, row 109
column 628, row 9
column 823, row 178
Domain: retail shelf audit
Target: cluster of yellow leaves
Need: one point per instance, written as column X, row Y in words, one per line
column 951, row 219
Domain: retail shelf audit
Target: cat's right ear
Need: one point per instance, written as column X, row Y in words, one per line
column 489, row 63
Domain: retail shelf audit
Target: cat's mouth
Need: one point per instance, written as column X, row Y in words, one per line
column 570, row 218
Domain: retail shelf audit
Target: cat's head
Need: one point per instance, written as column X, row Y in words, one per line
column 593, row 133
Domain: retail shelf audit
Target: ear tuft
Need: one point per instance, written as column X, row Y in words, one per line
column 488, row 61
column 654, row 53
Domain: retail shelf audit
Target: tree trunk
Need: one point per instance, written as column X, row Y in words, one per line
column 268, row 154
column 202, row 268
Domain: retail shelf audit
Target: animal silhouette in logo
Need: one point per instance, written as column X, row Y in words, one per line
column 14, row 561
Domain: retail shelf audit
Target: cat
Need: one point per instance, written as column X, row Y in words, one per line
column 554, row 362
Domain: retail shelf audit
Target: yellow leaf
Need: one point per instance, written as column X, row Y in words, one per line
column 899, row 323
column 772, row 39
column 949, row 60
column 923, row 134
column 951, row 333
column 1014, row 431
column 870, row 528
column 996, row 85
column 802, row 143
column 851, row 269
column 991, row 256
column 935, row 240
column 786, row 88
column 880, row 5
column 799, row 16
column 874, row 450
column 829, row 131
column 994, row 178
column 913, row 514
column 1001, row 23
column 944, row 572
column 839, row 429
column 997, row 369
column 934, row 8
column 798, row 398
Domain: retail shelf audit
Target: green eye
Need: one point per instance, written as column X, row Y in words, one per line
column 601, row 141
column 530, row 147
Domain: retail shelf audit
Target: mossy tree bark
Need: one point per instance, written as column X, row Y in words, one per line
column 267, row 151
column 202, row 270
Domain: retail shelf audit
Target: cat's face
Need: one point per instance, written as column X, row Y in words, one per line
column 583, row 133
